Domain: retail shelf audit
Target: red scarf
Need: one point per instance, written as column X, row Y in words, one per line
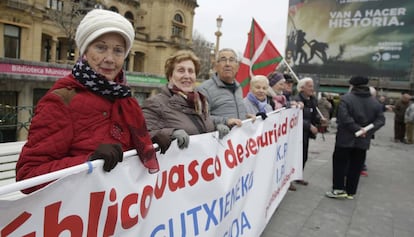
column 128, row 110
column 194, row 99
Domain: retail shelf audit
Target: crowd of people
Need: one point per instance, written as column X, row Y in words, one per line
column 99, row 119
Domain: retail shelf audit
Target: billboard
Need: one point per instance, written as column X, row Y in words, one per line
column 366, row 37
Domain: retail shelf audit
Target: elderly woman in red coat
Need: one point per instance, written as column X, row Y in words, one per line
column 178, row 110
column 90, row 113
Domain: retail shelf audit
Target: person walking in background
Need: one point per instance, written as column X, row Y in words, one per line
column 90, row 113
column 385, row 106
column 324, row 107
column 399, row 111
column 409, row 121
column 331, row 100
column 373, row 92
column 223, row 92
column 178, row 111
column 311, row 118
column 256, row 101
column 356, row 110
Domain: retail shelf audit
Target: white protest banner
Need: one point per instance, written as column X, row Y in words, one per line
column 227, row 187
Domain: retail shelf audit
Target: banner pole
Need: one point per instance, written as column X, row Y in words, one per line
column 41, row 179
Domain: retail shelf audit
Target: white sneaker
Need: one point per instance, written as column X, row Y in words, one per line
column 350, row 197
column 336, row 193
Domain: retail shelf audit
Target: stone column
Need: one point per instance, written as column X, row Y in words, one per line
column 53, row 50
column 25, row 101
column 131, row 57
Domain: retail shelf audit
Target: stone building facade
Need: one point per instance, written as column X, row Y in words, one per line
column 37, row 48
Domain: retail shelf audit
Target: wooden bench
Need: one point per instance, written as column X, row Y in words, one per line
column 9, row 153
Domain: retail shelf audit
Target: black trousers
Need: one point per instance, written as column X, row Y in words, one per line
column 347, row 166
column 399, row 130
column 305, row 147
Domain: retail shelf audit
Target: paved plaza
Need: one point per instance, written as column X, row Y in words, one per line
column 383, row 205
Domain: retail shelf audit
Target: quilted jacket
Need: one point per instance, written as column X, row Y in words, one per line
column 65, row 130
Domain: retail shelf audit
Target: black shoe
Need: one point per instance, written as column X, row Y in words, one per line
column 302, row 182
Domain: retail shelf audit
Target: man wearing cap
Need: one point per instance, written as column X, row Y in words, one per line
column 356, row 110
column 288, row 91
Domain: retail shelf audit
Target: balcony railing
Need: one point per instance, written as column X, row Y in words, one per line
column 14, row 118
column 18, row 4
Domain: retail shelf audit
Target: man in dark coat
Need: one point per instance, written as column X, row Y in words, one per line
column 311, row 118
column 399, row 111
column 356, row 110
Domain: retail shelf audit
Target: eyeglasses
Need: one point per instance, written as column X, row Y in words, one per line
column 226, row 60
column 102, row 48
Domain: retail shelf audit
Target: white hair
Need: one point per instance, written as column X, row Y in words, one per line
column 373, row 91
column 228, row 50
column 259, row 78
column 302, row 82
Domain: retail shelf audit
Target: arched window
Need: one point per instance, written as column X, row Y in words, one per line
column 178, row 26
column 114, row 9
column 130, row 17
column 178, row 18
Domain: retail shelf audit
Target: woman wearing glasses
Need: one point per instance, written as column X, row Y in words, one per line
column 89, row 114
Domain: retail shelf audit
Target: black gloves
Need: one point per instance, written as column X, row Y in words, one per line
column 110, row 153
column 262, row 114
column 163, row 141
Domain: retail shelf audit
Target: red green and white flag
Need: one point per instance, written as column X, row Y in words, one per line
column 260, row 57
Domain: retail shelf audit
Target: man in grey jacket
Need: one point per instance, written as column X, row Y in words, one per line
column 356, row 110
column 223, row 92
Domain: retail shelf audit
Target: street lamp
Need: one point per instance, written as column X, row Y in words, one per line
column 218, row 33
column 380, row 51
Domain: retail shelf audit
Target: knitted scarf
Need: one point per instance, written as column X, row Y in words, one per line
column 194, row 99
column 98, row 84
column 259, row 104
column 126, row 114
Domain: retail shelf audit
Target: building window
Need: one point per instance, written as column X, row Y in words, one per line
column 130, row 17
column 8, row 116
column 178, row 18
column 178, row 26
column 114, row 9
column 55, row 4
column 11, row 41
column 38, row 93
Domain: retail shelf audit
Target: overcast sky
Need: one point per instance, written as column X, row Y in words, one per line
column 237, row 16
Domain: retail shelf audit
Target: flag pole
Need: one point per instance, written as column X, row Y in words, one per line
column 291, row 70
column 297, row 80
